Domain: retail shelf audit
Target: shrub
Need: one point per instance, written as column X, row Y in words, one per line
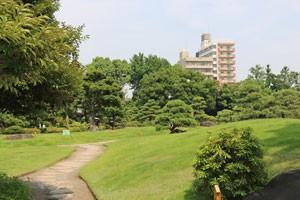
column 7, row 119
column 14, row 130
column 132, row 124
column 32, row 131
column 12, row 188
column 78, row 127
column 55, row 129
column 176, row 114
column 233, row 161
column 225, row 116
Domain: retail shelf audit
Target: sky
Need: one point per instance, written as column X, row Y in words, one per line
column 264, row 31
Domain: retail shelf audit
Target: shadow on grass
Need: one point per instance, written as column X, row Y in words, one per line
column 283, row 149
column 192, row 194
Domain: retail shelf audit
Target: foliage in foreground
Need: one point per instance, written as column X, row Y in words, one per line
column 233, row 161
column 12, row 188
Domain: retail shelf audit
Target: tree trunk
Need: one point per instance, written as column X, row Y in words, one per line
column 92, row 127
column 67, row 116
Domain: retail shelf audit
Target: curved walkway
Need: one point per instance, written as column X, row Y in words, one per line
column 61, row 181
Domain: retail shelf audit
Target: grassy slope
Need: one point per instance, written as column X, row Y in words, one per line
column 23, row 156
column 160, row 166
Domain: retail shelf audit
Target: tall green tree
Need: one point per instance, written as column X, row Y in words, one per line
column 257, row 73
column 117, row 69
column 103, row 97
column 175, row 83
column 198, row 107
column 287, row 104
column 38, row 61
column 248, row 96
column 148, row 112
column 142, row 65
column 44, row 7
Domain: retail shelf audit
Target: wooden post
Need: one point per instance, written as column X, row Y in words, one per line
column 217, row 193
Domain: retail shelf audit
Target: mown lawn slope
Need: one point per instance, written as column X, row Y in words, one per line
column 159, row 165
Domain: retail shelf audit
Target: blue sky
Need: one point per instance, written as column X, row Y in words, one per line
column 265, row 32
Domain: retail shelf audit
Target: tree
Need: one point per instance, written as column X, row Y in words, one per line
column 225, row 116
column 117, row 69
column 286, row 104
column 175, row 83
column 247, row 97
column 103, row 97
column 148, row 112
column 198, row 107
column 21, row 45
column 142, row 65
column 44, row 7
column 175, row 114
column 38, row 61
column 234, row 161
column 257, row 73
column 225, row 97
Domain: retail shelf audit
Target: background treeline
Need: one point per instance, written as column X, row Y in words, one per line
column 43, row 85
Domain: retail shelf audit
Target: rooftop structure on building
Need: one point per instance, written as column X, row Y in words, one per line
column 215, row 60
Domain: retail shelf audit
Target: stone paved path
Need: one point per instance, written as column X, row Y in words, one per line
column 61, row 181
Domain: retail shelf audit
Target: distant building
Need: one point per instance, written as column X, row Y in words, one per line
column 214, row 59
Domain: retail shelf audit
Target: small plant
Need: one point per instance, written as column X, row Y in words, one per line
column 55, row 129
column 12, row 188
column 14, row 130
column 233, row 161
column 32, row 131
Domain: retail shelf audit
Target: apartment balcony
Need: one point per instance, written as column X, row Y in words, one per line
column 198, row 67
column 226, row 44
column 227, row 75
column 226, row 63
column 226, row 50
column 227, row 68
column 227, row 56
column 208, row 73
column 227, row 82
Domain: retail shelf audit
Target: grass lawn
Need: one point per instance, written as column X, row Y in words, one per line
column 155, row 166
column 160, row 166
column 23, row 156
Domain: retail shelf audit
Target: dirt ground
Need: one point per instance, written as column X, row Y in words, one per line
column 61, row 181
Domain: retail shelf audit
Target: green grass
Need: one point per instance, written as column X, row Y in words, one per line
column 23, row 156
column 20, row 160
column 160, row 166
column 155, row 166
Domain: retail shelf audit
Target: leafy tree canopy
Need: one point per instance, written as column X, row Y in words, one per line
column 175, row 83
column 117, row 69
column 142, row 65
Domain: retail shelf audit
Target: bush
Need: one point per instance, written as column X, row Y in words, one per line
column 132, row 124
column 14, row 130
column 175, row 114
column 32, row 131
column 225, row 116
column 7, row 119
column 12, row 188
column 55, row 129
column 233, row 161
column 78, row 127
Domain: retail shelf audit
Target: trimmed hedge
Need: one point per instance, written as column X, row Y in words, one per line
column 32, row 131
column 14, row 130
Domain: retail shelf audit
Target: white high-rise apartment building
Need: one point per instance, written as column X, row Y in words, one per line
column 214, row 59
